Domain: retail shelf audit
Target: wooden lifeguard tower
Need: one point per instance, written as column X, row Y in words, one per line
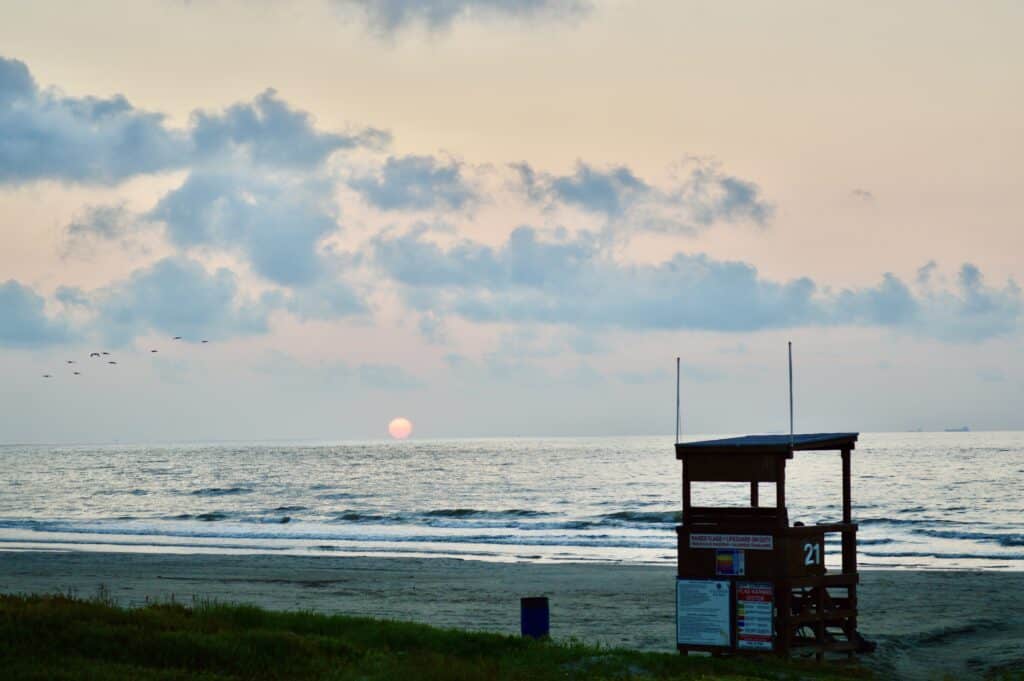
column 748, row 581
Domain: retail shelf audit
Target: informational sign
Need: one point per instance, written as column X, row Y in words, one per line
column 730, row 563
column 755, row 542
column 754, row 615
column 702, row 612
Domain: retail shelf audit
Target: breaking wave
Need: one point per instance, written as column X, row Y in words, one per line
column 476, row 513
column 988, row 537
column 645, row 517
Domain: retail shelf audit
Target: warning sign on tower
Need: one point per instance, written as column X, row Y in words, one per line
column 754, row 615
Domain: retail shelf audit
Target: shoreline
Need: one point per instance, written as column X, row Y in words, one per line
column 928, row 624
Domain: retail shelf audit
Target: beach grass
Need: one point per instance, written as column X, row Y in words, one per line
column 62, row 637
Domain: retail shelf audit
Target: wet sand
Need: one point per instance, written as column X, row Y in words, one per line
column 928, row 625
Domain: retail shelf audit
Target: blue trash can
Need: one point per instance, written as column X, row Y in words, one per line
column 534, row 619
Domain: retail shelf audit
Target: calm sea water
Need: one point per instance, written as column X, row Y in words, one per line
column 923, row 500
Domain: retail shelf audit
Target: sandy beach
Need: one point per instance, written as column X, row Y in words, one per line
column 927, row 624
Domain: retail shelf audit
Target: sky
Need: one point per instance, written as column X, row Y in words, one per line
column 507, row 217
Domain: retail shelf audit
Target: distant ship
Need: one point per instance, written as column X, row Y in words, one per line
column 961, row 429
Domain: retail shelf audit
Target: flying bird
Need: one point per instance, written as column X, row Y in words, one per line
column 152, row 350
column 205, row 341
column 105, row 352
column 94, row 354
column 177, row 338
column 47, row 376
column 111, row 362
column 71, row 361
column 78, row 373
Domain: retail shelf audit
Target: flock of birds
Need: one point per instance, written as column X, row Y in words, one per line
column 101, row 354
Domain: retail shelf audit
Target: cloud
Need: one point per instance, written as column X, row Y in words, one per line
column 257, row 187
column 389, row 16
column 177, row 296
column 416, row 183
column 555, row 279
column 98, row 224
column 94, row 140
column 103, row 221
column 701, row 197
column 72, row 296
column 890, row 303
column 925, row 272
column 272, row 133
column 603, row 191
column 970, row 311
column 716, row 197
column 523, row 261
column 15, row 81
column 572, row 281
column 974, row 310
column 275, row 221
column 25, row 323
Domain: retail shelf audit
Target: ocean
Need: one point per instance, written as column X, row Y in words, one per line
column 923, row 500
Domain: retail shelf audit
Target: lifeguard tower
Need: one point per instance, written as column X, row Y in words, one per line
column 748, row 581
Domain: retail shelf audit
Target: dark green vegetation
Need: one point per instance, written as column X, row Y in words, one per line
column 56, row 637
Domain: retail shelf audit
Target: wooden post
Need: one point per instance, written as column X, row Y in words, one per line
column 849, row 535
column 819, row 624
column 847, row 513
column 780, row 490
column 686, row 493
column 851, row 602
column 753, row 493
column 783, row 628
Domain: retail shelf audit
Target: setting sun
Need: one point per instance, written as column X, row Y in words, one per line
column 400, row 428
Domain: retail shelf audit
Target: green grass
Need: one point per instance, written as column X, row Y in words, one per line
column 58, row 637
